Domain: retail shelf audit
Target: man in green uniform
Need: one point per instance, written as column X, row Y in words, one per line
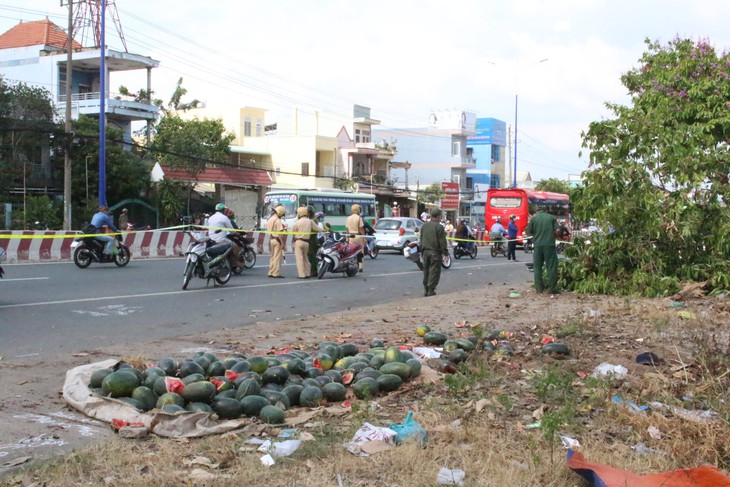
column 433, row 248
column 542, row 227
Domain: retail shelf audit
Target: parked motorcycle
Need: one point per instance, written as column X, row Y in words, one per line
column 412, row 252
column 527, row 244
column 499, row 245
column 337, row 255
column 89, row 249
column 246, row 253
column 462, row 249
column 206, row 260
column 139, row 228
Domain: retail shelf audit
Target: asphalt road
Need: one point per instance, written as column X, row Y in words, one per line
column 47, row 309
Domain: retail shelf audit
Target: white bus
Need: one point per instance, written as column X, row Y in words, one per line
column 335, row 204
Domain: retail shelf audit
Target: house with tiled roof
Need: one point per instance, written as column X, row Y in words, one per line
column 35, row 53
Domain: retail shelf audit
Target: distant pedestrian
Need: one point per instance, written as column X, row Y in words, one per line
column 274, row 227
column 542, row 227
column 512, row 231
column 123, row 219
column 433, row 249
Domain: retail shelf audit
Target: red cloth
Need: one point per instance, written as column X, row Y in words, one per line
column 602, row 475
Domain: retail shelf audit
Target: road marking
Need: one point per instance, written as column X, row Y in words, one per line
column 25, row 279
column 222, row 288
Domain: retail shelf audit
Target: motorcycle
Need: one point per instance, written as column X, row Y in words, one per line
column 462, row 249
column 206, row 260
column 88, row 249
column 371, row 250
column 527, row 244
column 337, row 255
column 412, row 252
column 132, row 228
column 499, row 245
column 246, row 253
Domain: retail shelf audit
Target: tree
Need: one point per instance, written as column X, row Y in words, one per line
column 128, row 174
column 188, row 144
column 27, row 131
column 553, row 185
column 658, row 178
column 432, row 194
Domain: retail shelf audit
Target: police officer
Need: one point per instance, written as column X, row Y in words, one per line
column 543, row 226
column 275, row 226
column 433, row 248
column 304, row 231
column 354, row 225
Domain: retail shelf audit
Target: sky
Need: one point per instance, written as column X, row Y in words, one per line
column 407, row 58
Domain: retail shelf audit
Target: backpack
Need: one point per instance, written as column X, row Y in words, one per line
column 89, row 229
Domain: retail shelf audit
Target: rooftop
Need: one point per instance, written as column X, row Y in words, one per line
column 37, row 33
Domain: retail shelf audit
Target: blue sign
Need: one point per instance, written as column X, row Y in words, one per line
column 490, row 131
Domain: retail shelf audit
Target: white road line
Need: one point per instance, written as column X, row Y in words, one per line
column 293, row 282
column 25, row 279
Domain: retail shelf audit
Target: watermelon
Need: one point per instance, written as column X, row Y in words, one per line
column 119, row 384
column 434, row 338
column 398, row 368
column 248, row 387
column 275, row 374
column 392, row 354
column 334, row 392
column 146, row 397
column 98, row 376
column 271, row 415
column 202, row 391
column 389, row 382
column 311, row 397
column 252, row 405
column 366, row 388
column 228, row 408
column 170, row 398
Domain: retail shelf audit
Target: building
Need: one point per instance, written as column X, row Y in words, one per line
column 35, row 53
column 487, row 147
column 435, row 153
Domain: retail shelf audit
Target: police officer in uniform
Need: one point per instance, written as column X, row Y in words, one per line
column 433, row 248
column 354, row 224
column 304, row 230
column 275, row 226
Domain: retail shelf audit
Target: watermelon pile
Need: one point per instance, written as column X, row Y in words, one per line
column 261, row 386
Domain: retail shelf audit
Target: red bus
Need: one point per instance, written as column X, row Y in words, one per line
column 501, row 203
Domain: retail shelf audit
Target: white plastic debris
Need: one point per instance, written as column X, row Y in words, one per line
column 368, row 433
column 569, row 443
column 268, row 460
column 426, row 352
column 280, row 448
column 447, row 476
column 610, row 370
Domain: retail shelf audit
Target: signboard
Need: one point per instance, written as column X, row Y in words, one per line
column 489, row 131
column 450, row 201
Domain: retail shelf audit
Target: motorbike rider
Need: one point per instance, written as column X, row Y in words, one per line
column 103, row 223
column 304, row 231
column 274, row 226
column 223, row 218
column 465, row 235
column 355, row 225
column 497, row 232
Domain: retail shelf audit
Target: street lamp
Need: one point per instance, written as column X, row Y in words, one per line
column 514, row 172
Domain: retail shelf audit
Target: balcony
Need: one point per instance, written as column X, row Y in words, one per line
column 117, row 105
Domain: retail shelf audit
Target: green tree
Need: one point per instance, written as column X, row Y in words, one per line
column 127, row 173
column 27, row 132
column 553, row 185
column 658, row 178
column 188, row 144
column 432, row 194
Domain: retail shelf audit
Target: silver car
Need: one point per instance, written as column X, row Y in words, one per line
column 396, row 232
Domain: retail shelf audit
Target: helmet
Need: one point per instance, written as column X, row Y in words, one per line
column 319, row 215
column 302, row 211
column 356, row 208
column 512, row 216
column 435, row 212
column 498, row 220
column 280, row 210
column 220, row 207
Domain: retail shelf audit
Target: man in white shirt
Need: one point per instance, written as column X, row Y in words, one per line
column 216, row 223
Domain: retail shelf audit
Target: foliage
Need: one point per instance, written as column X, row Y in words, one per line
column 658, row 179
column 44, row 210
column 27, row 127
column 553, row 185
column 127, row 173
column 345, row 184
column 170, row 204
column 432, row 193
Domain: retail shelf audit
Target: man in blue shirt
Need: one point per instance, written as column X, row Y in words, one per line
column 512, row 230
column 102, row 222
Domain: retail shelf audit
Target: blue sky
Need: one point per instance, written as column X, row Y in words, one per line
column 406, row 58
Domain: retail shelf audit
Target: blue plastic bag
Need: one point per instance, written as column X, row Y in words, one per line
column 409, row 430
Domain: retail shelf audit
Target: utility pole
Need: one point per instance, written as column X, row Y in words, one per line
column 67, row 128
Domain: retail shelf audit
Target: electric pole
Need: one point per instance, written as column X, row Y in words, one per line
column 67, row 146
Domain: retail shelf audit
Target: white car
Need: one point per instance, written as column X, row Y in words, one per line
column 396, row 232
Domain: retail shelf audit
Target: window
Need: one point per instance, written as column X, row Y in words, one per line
column 247, row 126
column 455, row 148
column 357, row 136
column 366, row 136
column 496, row 153
column 259, row 125
column 305, row 169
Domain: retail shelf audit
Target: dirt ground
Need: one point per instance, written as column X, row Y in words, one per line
column 35, row 423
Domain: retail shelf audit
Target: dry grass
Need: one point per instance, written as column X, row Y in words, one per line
column 477, row 418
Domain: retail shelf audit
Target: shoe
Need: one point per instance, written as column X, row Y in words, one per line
column 359, row 270
column 307, row 277
column 431, row 293
column 277, row 277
